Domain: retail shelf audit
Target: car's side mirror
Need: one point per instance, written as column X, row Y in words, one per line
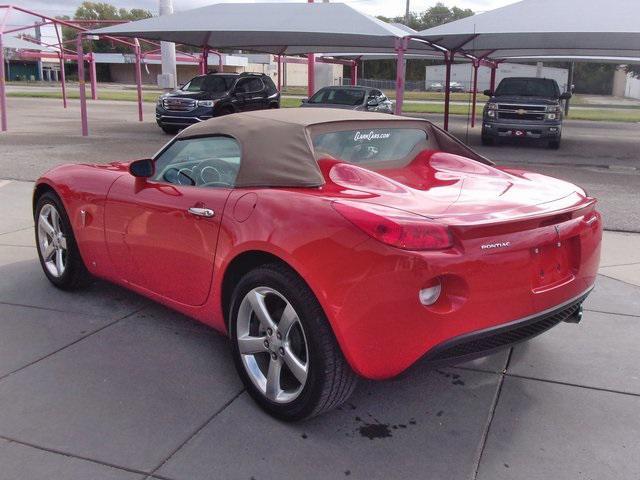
column 305, row 100
column 144, row 168
column 488, row 93
column 565, row 96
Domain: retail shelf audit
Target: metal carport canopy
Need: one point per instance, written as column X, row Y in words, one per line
column 546, row 27
column 276, row 28
column 17, row 43
column 280, row 29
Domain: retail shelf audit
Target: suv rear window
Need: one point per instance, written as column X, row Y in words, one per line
column 528, row 87
column 208, row 83
column 248, row 85
column 271, row 87
column 370, row 145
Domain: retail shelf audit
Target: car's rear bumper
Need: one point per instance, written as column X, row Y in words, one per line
column 521, row 130
column 485, row 342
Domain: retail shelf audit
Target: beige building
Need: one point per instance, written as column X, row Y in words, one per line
column 122, row 70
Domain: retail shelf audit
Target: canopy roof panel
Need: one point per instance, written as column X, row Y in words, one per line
column 277, row 28
column 546, row 27
column 20, row 44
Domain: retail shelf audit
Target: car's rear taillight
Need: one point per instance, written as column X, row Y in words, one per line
column 395, row 227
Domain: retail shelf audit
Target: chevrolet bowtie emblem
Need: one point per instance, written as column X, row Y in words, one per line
column 521, row 111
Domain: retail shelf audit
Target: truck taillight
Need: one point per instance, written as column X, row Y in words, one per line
column 395, row 227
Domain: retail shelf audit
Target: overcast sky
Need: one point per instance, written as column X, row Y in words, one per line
column 373, row 7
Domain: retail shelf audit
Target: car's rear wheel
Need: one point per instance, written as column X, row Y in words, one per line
column 57, row 248
column 283, row 347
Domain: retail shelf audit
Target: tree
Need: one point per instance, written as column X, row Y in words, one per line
column 439, row 14
column 634, row 70
column 102, row 11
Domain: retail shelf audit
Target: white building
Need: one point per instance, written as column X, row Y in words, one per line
column 463, row 73
column 625, row 85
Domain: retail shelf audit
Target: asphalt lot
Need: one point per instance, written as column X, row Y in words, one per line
column 104, row 384
column 602, row 157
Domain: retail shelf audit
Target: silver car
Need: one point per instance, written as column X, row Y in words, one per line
column 352, row 98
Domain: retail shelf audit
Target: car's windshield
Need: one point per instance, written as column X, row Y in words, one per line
column 339, row 96
column 369, row 146
column 208, row 83
column 528, row 87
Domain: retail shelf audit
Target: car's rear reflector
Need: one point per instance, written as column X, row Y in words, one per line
column 395, row 227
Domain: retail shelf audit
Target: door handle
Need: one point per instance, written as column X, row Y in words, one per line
column 202, row 212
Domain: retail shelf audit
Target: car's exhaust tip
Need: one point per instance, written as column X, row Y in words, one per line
column 576, row 317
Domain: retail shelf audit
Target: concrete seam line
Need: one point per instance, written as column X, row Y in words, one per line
column 617, row 279
column 37, row 307
column 569, row 384
column 612, row 313
column 487, row 429
column 3, row 377
column 196, row 432
column 71, row 455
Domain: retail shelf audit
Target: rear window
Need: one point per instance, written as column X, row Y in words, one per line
column 528, row 87
column 209, row 83
column 338, row 96
column 370, row 145
column 271, row 87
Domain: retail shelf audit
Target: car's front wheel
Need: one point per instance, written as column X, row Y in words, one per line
column 57, row 249
column 283, row 347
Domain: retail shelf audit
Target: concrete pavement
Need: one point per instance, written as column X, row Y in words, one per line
column 104, row 384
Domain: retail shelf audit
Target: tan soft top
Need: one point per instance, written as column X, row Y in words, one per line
column 276, row 145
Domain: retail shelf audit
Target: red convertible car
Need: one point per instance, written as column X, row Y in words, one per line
column 328, row 244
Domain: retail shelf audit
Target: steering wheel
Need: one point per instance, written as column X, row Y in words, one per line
column 213, row 172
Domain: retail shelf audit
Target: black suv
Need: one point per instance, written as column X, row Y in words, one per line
column 523, row 107
column 214, row 94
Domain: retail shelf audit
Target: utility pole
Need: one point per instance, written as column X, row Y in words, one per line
column 406, row 15
column 39, row 61
column 168, row 52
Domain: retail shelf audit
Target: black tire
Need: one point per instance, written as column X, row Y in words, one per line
column 227, row 111
column 169, row 130
column 487, row 141
column 554, row 144
column 330, row 380
column 75, row 274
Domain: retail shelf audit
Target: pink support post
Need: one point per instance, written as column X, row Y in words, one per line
column 492, row 85
column 220, row 63
column 401, row 47
column 311, row 74
column 92, row 76
column 83, row 87
column 448, row 58
column 311, row 71
column 279, row 72
column 204, row 65
column 62, row 75
column 3, row 96
column 63, row 82
column 138, row 77
column 476, row 65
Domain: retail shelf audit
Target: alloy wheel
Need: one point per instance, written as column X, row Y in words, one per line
column 52, row 241
column 272, row 344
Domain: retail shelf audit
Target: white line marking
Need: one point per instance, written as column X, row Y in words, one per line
column 4, row 182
